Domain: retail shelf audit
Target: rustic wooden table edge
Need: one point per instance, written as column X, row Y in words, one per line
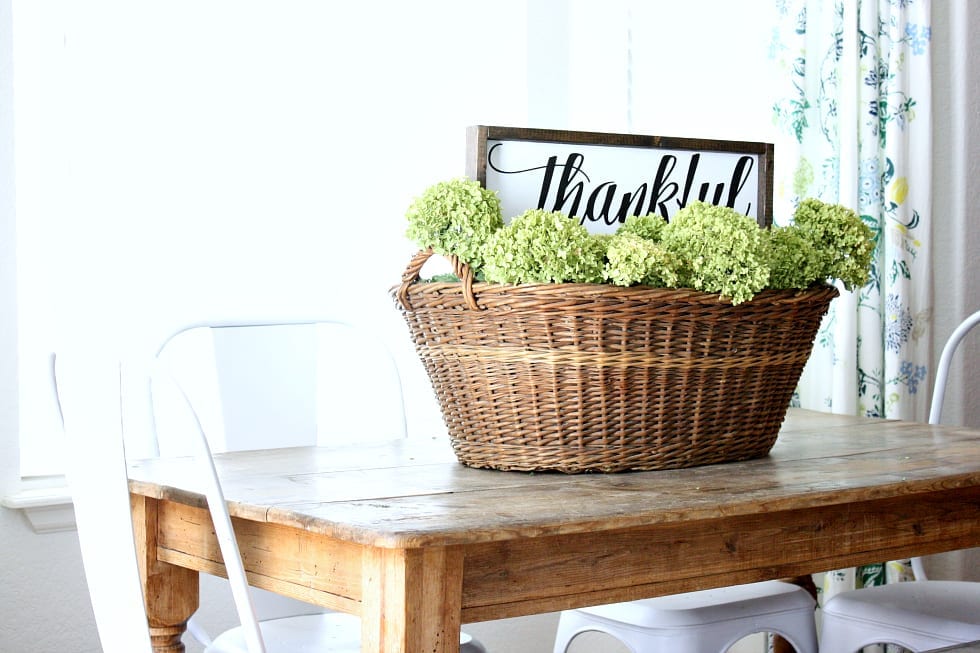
column 587, row 555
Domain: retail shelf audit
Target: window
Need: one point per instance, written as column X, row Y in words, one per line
column 191, row 160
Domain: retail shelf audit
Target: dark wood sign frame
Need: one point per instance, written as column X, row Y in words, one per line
column 761, row 154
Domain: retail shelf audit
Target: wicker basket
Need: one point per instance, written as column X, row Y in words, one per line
column 593, row 377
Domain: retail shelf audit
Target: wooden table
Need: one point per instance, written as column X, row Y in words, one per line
column 417, row 544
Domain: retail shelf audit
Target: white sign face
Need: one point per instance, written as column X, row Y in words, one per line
column 602, row 185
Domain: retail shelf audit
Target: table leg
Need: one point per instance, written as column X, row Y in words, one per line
column 412, row 600
column 171, row 593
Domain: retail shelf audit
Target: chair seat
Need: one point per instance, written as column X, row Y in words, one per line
column 332, row 632
column 707, row 606
column 708, row 621
column 918, row 615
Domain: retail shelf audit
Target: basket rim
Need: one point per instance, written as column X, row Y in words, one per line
column 607, row 291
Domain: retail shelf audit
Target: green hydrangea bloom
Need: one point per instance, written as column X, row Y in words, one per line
column 544, row 247
column 632, row 259
column 455, row 217
column 843, row 244
column 793, row 260
column 720, row 250
column 645, row 226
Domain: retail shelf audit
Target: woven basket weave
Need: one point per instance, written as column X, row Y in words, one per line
column 594, row 377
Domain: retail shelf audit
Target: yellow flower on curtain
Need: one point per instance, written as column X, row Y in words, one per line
column 899, row 190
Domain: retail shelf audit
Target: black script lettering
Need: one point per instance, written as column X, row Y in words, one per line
column 703, row 189
column 703, row 194
column 570, row 170
column 692, row 168
column 574, row 162
column 610, row 191
column 658, row 200
column 635, row 201
column 739, row 176
column 639, row 196
column 549, row 173
column 496, row 168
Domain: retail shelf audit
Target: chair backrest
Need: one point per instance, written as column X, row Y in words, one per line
column 278, row 383
column 939, row 393
column 88, row 390
column 220, row 517
column 945, row 359
column 240, row 372
column 88, row 393
column 294, row 383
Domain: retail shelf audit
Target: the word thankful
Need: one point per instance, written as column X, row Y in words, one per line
column 575, row 194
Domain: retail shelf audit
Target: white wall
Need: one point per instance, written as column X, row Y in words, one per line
column 45, row 605
column 44, row 601
column 956, row 203
column 956, row 223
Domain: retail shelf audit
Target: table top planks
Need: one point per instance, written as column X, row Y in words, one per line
column 413, row 493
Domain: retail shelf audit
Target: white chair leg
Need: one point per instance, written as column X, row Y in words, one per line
column 572, row 623
column 802, row 643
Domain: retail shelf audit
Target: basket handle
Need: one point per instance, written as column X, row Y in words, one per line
column 460, row 269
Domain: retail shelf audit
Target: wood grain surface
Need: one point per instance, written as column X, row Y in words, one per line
column 363, row 528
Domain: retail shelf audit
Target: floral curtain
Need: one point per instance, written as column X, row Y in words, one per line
column 854, row 113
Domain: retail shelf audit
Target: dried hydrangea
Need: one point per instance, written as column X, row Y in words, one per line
column 455, row 217
column 705, row 247
column 632, row 259
column 648, row 226
column 792, row 259
column 720, row 250
column 843, row 244
column 543, row 247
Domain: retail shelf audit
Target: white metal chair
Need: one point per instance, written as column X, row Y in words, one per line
column 96, row 471
column 707, row 621
column 274, row 382
column 89, row 395
column 288, row 383
column 919, row 615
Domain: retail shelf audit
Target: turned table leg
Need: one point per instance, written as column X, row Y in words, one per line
column 171, row 593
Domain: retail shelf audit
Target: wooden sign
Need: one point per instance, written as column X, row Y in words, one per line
column 603, row 178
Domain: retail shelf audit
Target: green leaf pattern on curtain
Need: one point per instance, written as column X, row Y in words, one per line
column 865, row 66
column 853, row 113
